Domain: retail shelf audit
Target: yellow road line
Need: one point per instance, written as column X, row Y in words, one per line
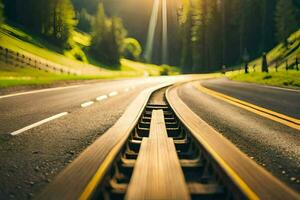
column 251, row 195
column 237, row 179
column 283, row 119
column 88, row 191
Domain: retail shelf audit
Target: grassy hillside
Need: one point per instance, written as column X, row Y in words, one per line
column 21, row 41
column 280, row 78
column 281, row 52
column 17, row 40
column 291, row 78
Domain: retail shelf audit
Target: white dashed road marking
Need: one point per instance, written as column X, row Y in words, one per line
column 101, row 98
column 38, row 123
column 113, row 94
column 86, row 104
column 38, row 91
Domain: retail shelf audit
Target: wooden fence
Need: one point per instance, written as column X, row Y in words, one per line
column 292, row 63
column 21, row 60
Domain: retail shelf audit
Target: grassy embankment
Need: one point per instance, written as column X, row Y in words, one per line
column 282, row 77
column 20, row 41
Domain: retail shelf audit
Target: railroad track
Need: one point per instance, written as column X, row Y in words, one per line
column 159, row 149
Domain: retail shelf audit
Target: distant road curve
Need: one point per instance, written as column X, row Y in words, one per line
column 273, row 145
column 281, row 100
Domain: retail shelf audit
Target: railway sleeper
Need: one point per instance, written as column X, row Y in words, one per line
column 199, row 171
column 181, row 145
column 206, row 191
column 167, row 114
column 148, row 119
column 169, row 123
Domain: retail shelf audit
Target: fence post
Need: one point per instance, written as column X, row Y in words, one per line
column 286, row 65
column 265, row 67
column 297, row 67
column 246, row 68
column 6, row 55
column 17, row 59
column 276, row 66
column 223, row 69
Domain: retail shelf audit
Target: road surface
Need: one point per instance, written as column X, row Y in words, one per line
column 282, row 100
column 32, row 158
column 273, row 145
column 42, row 132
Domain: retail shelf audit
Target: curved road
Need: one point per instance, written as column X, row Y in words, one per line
column 273, row 145
column 282, row 100
column 34, row 156
column 31, row 159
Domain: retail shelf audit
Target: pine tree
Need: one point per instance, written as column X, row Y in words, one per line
column 196, row 36
column 99, row 26
column 185, row 24
column 204, row 19
column 220, row 31
column 114, row 43
column 268, row 26
column 85, row 21
column 242, row 10
column 254, row 28
column 286, row 20
column 223, row 31
column 107, row 38
column 214, row 39
column 64, row 21
column 1, row 12
column 91, row 6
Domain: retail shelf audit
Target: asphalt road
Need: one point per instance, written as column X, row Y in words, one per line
column 282, row 100
column 31, row 159
column 273, row 145
column 20, row 111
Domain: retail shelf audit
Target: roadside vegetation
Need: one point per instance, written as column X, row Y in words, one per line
column 22, row 42
column 217, row 33
column 89, row 35
column 18, row 40
column 16, row 76
column 95, row 44
column 1, row 12
column 290, row 78
column 11, row 76
column 74, row 32
column 282, row 65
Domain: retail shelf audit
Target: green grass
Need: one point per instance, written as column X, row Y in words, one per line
column 19, row 40
column 283, row 78
column 82, row 39
column 281, row 52
column 12, row 76
column 16, row 76
column 289, row 78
